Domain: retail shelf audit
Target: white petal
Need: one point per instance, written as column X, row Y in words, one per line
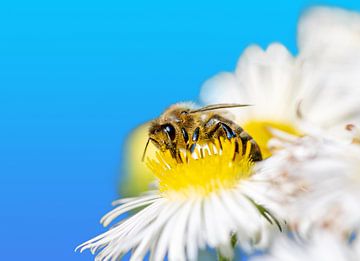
column 329, row 33
column 177, row 241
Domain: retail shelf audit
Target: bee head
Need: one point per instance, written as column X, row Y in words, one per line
column 162, row 135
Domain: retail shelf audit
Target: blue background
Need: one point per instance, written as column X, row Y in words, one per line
column 77, row 76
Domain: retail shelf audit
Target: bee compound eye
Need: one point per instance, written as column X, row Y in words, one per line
column 170, row 130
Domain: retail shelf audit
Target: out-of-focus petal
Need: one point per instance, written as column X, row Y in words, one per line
column 136, row 176
column 329, row 33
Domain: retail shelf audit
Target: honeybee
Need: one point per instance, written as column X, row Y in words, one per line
column 182, row 126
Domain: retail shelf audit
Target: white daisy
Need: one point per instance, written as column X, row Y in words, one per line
column 204, row 202
column 329, row 172
column 323, row 246
column 319, row 87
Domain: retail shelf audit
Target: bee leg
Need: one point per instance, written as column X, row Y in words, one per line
column 178, row 157
column 185, row 137
column 229, row 132
column 220, row 145
column 236, row 151
column 195, row 135
column 175, row 154
column 215, row 131
column 194, row 138
column 192, row 147
column 219, row 126
column 220, row 129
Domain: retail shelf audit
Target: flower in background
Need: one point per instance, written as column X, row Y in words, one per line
column 322, row 246
column 329, row 172
column 136, row 176
column 319, row 87
column 214, row 199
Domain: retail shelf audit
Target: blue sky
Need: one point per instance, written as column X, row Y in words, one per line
column 77, row 76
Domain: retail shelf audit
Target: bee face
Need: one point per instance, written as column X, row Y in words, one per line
column 162, row 135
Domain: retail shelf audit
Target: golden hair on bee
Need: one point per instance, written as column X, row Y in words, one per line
column 183, row 126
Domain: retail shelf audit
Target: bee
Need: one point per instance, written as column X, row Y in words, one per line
column 182, row 127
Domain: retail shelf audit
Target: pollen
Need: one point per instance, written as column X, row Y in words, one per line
column 260, row 131
column 210, row 168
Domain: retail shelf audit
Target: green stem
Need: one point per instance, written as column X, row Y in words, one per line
column 222, row 258
column 233, row 241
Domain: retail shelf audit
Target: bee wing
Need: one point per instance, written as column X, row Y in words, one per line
column 219, row 106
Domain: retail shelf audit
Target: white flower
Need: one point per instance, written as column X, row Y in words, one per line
column 329, row 173
column 330, row 35
column 323, row 246
column 205, row 201
column 320, row 87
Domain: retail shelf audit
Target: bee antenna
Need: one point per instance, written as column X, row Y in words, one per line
column 219, row 106
column 143, row 156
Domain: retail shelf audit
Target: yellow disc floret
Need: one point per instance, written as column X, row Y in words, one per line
column 260, row 130
column 209, row 168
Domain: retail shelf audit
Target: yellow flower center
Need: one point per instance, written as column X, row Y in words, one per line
column 260, row 131
column 209, row 168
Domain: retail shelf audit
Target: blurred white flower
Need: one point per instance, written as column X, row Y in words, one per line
column 329, row 173
column 330, row 35
column 319, row 87
column 209, row 199
column 322, row 246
